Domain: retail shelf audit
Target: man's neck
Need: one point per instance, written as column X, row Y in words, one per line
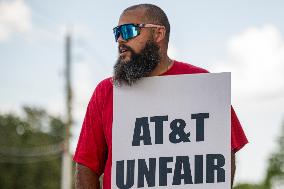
column 162, row 67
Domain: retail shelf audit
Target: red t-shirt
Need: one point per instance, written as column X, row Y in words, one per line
column 94, row 148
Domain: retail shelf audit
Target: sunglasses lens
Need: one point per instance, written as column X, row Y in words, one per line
column 116, row 33
column 126, row 31
column 129, row 31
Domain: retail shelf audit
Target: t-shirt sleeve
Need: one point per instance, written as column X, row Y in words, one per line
column 238, row 137
column 91, row 149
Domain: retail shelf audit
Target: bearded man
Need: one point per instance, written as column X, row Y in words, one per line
column 142, row 35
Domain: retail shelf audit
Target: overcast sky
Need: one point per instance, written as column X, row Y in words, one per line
column 243, row 37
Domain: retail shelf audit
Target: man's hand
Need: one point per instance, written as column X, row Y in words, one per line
column 86, row 178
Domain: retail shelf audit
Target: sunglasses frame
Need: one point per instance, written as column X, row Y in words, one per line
column 117, row 30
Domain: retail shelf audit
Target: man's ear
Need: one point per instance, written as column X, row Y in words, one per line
column 160, row 34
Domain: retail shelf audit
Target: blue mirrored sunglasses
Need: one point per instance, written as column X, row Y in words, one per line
column 129, row 31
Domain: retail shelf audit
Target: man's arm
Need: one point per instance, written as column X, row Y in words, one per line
column 86, row 178
column 233, row 167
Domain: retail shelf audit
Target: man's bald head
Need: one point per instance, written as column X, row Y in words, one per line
column 152, row 14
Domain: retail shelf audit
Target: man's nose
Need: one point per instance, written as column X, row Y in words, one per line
column 120, row 39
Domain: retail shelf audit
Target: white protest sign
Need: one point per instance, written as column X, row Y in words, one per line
column 173, row 132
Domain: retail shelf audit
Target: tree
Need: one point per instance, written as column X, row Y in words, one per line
column 248, row 186
column 275, row 172
column 30, row 150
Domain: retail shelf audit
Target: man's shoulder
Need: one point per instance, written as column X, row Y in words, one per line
column 187, row 68
column 104, row 86
column 106, row 83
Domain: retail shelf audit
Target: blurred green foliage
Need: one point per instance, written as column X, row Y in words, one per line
column 30, row 150
column 248, row 186
column 275, row 171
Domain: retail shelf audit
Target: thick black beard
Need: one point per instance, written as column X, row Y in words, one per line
column 140, row 65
